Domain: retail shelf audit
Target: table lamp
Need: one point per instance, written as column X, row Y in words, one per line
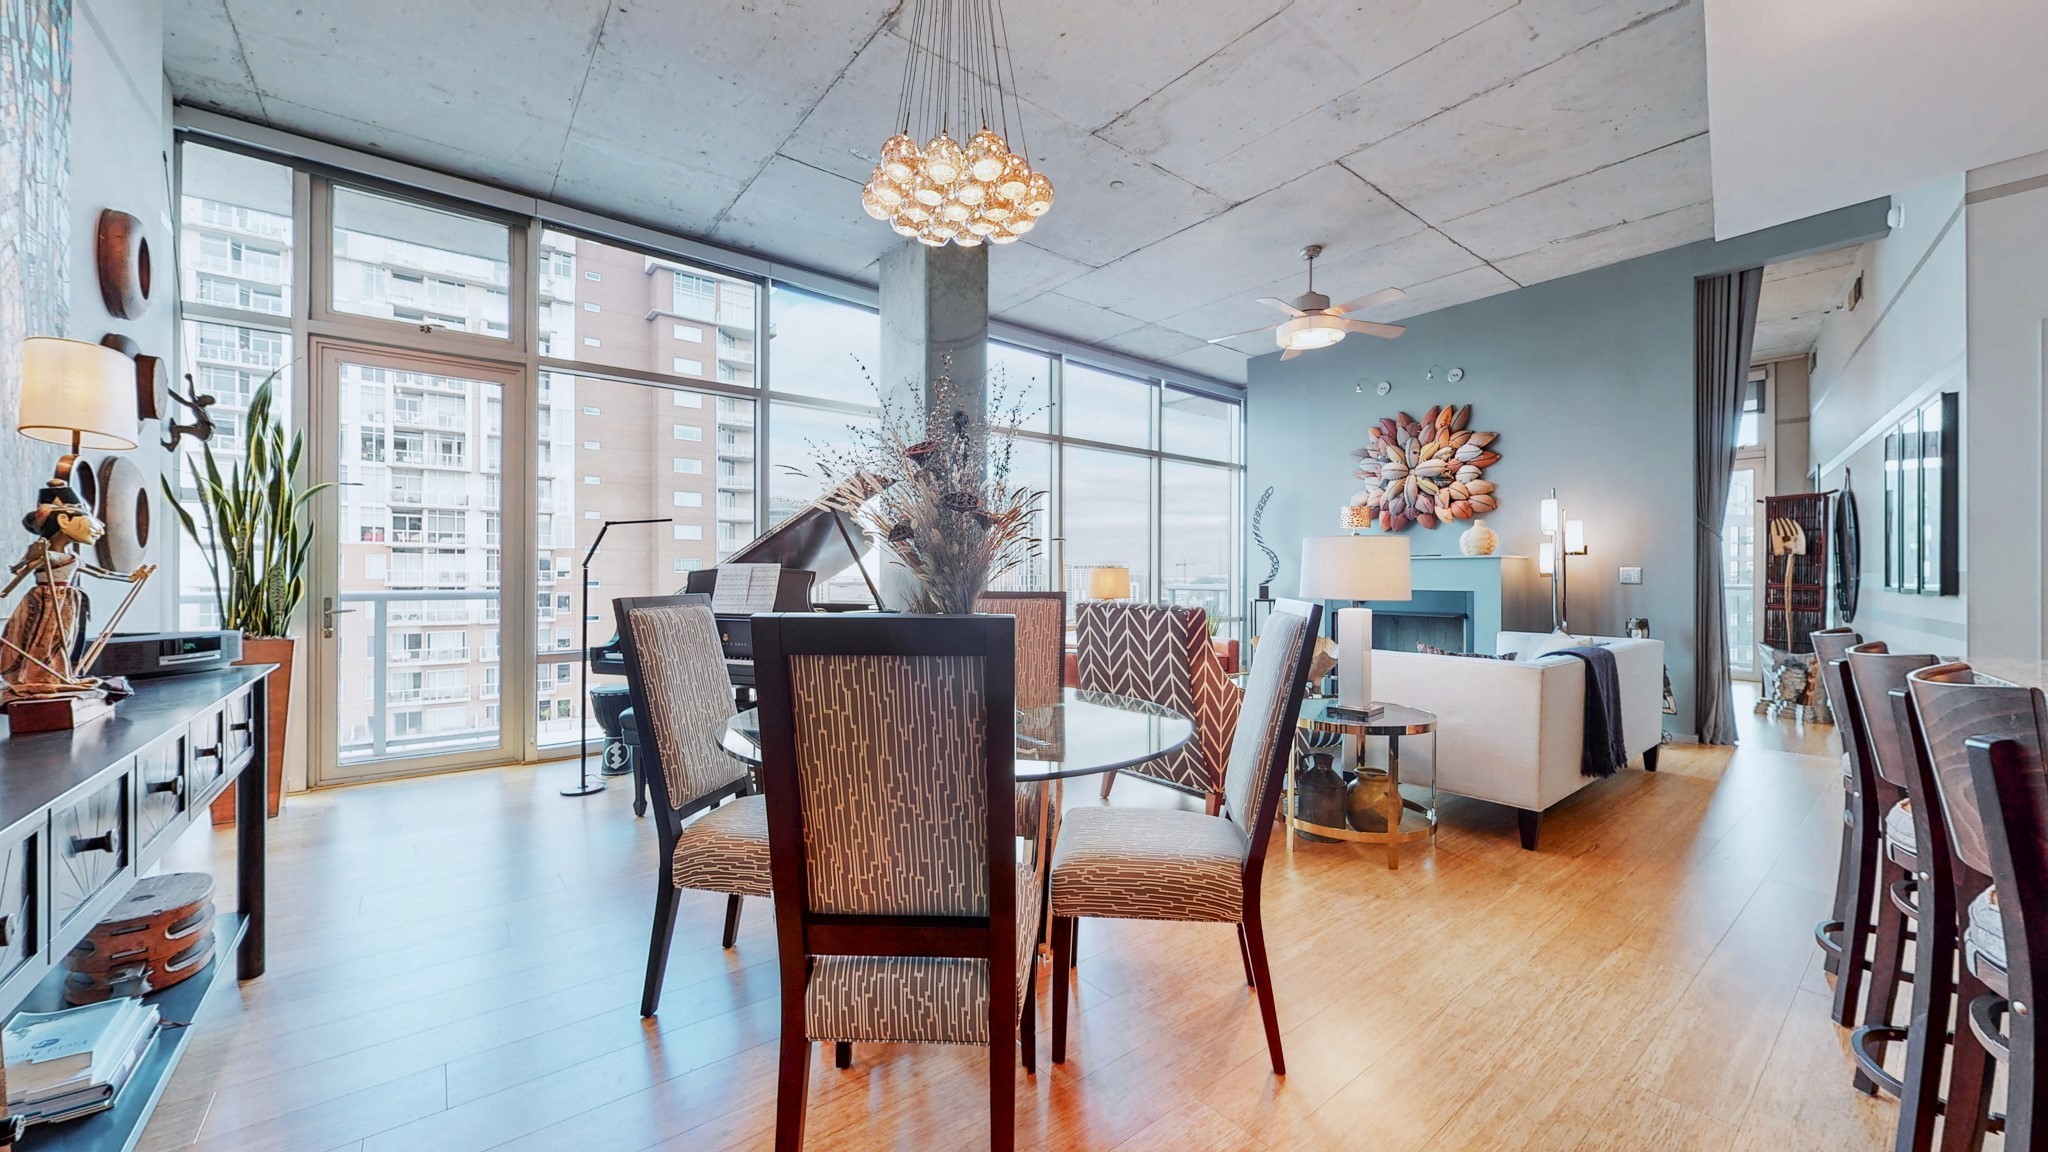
column 1354, row 568
column 1110, row 582
column 79, row 395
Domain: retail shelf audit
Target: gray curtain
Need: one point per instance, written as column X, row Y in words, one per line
column 1724, row 326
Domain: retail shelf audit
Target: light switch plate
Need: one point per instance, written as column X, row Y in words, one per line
column 1631, row 575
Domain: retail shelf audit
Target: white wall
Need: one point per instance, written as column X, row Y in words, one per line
column 1905, row 342
column 120, row 149
column 2007, row 214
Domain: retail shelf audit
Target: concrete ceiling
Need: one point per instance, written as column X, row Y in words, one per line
column 1797, row 295
column 1453, row 148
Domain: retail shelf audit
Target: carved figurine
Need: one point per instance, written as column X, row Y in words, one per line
column 43, row 653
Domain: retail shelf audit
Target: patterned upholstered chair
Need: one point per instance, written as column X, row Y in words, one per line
column 1951, row 707
column 906, row 907
column 2005, row 931
column 1041, row 642
column 1168, row 864
column 675, row 668
column 1162, row 654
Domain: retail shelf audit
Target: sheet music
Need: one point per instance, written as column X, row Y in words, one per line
column 744, row 589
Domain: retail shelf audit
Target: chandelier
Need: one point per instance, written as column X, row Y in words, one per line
column 964, row 184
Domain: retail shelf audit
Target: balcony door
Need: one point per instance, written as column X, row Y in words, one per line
column 420, row 630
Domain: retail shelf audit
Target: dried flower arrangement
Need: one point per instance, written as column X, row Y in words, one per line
column 947, row 510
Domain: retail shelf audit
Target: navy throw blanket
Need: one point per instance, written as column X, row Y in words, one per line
column 1605, row 751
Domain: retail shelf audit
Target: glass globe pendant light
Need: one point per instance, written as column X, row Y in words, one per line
column 959, row 84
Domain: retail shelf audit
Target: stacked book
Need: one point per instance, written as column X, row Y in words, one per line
column 62, row 1065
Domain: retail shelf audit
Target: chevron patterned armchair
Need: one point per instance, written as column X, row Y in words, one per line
column 1162, row 654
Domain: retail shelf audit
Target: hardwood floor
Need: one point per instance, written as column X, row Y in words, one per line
column 455, row 965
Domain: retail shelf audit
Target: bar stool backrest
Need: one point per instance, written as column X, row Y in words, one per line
column 1877, row 672
column 1954, row 705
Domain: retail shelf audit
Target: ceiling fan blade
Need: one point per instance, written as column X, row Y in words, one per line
column 1246, row 332
column 1374, row 300
column 1371, row 328
column 1290, row 354
column 1282, row 305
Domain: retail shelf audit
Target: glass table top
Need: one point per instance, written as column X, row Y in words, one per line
column 1085, row 733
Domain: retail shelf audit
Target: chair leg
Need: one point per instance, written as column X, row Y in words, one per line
column 639, row 783
column 1027, row 1021
column 1531, row 826
column 1244, row 953
column 2025, row 1085
column 1888, row 959
column 1108, row 781
column 1934, row 956
column 1062, row 965
column 842, row 1053
column 1853, row 910
column 657, row 945
column 1002, row 1058
column 732, row 919
column 1073, row 944
column 792, row 1085
column 1255, row 944
column 1966, row 1112
column 1650, row 757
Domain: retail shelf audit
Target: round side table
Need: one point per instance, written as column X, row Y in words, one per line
column 1408, row 818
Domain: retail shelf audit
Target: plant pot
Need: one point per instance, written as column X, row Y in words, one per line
column 266, row 650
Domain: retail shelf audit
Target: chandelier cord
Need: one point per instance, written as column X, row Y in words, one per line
column 1023, row 139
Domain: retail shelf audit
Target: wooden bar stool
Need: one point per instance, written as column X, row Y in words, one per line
column 1871, row 673
column 1954, row 706
column 1848, row 932
column 2010, row 945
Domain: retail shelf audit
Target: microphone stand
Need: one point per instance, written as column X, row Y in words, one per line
column 584, row 784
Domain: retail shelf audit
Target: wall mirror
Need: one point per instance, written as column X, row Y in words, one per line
column 1920, row 500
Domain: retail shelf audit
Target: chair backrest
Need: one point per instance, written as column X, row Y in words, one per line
column 1830, row 646
column 1954, row 704
column 884, row 741
column 1877, row 672
column 675, row 669
column 2013, row 793
column 1265, row 727
column 1041, row 641
column 1161, row 653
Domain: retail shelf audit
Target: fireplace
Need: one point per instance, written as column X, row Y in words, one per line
column 1438, row 618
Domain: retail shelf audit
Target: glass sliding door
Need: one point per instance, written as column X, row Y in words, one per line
column 408, row 613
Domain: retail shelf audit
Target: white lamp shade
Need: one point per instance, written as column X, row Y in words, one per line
column 1549, row 515
column 1575, row 537
column 1546, row 558
column 1110, row 582
column 1355, row 568
column 71, row 388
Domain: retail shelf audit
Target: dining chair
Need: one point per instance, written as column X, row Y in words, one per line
column 1171, row 864
column 906, row 907
column 1041, row 642
column 1161, row 653
column 2005, row 938
column 712, row 828
column 1846, row 934
column 1871, row 672
column 1952, row 706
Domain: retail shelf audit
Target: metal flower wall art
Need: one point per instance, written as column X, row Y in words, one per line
column 1426, row 471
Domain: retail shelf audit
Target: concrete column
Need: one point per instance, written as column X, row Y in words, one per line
column 934, row 304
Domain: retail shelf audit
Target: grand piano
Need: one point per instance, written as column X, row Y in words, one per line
column 821, row 539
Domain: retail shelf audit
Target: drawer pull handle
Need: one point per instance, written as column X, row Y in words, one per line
column 242, row 726
column 175, row 785
column 108, row 841
column 212, row 753
column 7, row 931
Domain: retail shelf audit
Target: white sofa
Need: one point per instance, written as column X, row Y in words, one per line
column 1511, row 731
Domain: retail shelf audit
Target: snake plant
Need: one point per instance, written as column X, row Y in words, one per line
column 256, row 536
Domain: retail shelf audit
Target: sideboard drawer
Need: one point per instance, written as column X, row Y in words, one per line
column 21, row 929
column 89, row 845
column 207, row 765
column 239, row 739
column 159, row 790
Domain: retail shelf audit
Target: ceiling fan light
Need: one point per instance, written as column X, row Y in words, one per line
column 1307, row 333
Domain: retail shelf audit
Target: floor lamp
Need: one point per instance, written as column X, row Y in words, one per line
column 584, row 785
column 1562, row 538
column 1354, row 568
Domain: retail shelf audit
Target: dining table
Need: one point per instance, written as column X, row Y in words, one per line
column 1085, row 734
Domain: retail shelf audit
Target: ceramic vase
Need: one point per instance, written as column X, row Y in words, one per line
column 1478, row 540
column 1365, row 805
column 1319, row 796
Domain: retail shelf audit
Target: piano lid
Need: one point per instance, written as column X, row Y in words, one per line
column 823, row 536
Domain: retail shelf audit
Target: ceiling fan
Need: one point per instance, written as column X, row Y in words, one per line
column 1315, row 322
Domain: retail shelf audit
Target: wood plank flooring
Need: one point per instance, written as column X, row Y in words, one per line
column 455, row 964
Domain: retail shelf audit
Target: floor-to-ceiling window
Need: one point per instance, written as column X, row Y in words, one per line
column 499, row 387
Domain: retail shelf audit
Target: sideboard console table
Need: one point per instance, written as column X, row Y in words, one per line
column 85, row 813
